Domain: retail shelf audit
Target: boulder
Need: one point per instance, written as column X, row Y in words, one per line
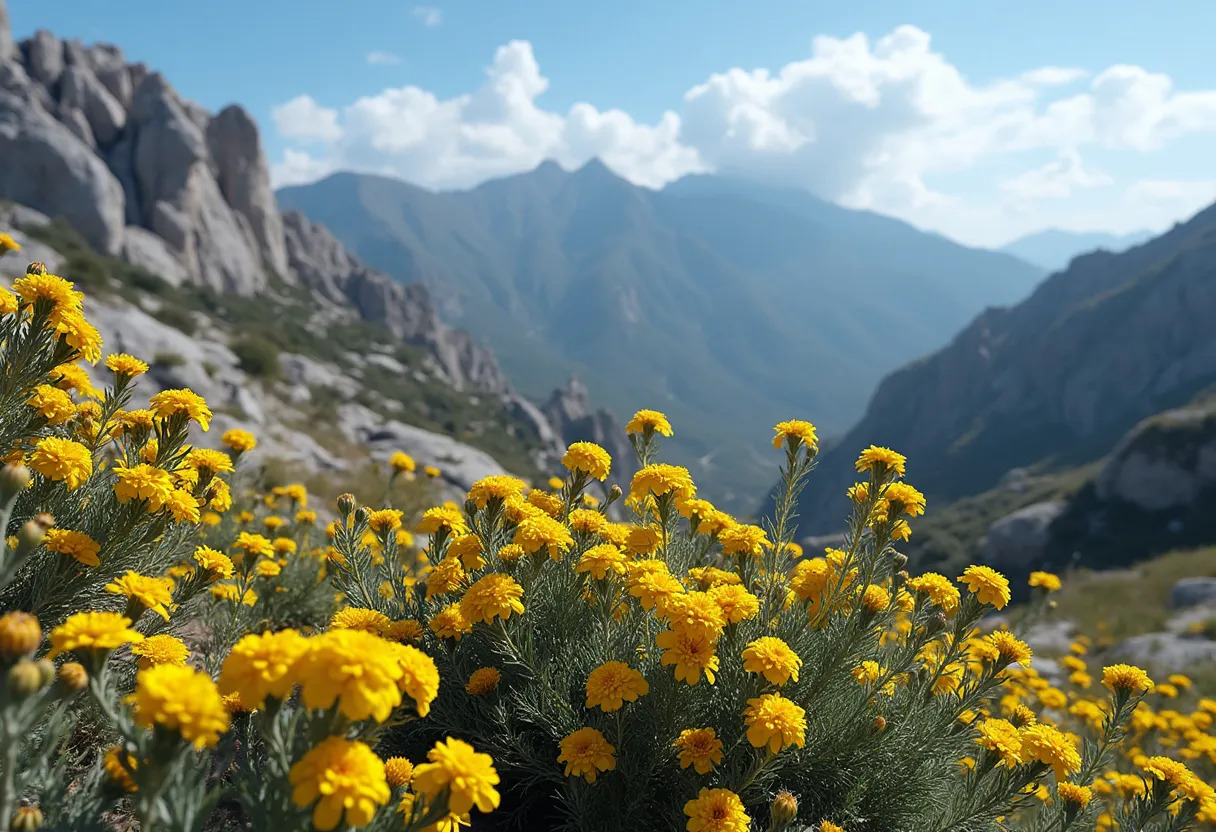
column 1017, row 540
column 1193, row 592
column 43, row 57
column 1165, row 462
column 1165, row 652
column 48, row 168
column 142, row 248
column 80, row 90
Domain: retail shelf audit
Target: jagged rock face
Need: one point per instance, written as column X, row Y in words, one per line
column 7, row 47
column 569, row 412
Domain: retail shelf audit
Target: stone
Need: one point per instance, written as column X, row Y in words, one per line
column 7, row 48
column 1164, row 652
column 1163, row 463
column 142, row 248
column 573, row 419
column 244, row 179
column 43, row 57
column 1193, row 592
column 1017, row 540
column 50, row 169
column 81, row 90
column 308, row 373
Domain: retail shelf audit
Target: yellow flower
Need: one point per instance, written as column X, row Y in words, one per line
column 384, row 520
column 612, row 684
column 398, row 771
column 651, row 582
column 881, row 460
column 445, row 577
column 77, row 545
column 467, row 547
column 402, row 463
column 939, row 590
column 795, row 432
column 8, row 244
column 901, row 498
column 699, row 748
column 1074, row 795
column 647, row 422
column 432, row 472
column 601, row 559
column 40, row 286
column 216, row 565
column 93, row 631
column 147, row 592
column 586, row 753
column 828, row 826
column 1048, row 582
column 205, row 459
column 358, row 669
column 482, row 681
column 493, row 596
column 641, row 540
column 988, row 585
column 495, row 487
column 161, row 649
column 20, row 635
column 260, row 665
column 74, row 377
column 875, row 599
column 8, row 302
column 143, row 482
column 1001, row 738
column 128, row 366
column 772, row 658
column 1126, row 679
column 467, row 774
column 450, row 622
column 169, row 403
column 742, row 539
column 229, row 592
column 62, row 460
column 239, row 440
column 660, row 479
column 736, row 603
column 120, row 774
column 346, row 780
column 442, row 517
column 1009, row 648
column 695, row 613
column 541, row 530
column 254, row 545
column 183, row 506
column 1047, row 745
column 180, row 699
column 692, row 653
column 406, row 629
column 358, row 618
column 589, row 458
column 774, row 721
column 716, row 810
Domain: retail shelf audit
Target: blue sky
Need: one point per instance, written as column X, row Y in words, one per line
column 948, row 123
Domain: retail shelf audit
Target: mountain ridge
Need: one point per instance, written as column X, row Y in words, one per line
column 732, row 313
column 1054, row 248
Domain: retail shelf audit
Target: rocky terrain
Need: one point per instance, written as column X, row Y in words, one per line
column 175, row 224
column 1050, row 383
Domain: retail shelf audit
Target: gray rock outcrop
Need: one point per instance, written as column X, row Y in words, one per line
column 1165, row 462
column 1193, row 592
column 1164, row 652
column 1017, row 541
column 573, row 419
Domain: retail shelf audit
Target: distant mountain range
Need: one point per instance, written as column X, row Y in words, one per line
column 1053, row 249
column 729, row 305
column 1051, row 383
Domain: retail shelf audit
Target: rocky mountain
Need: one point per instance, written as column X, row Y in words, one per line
column 1053, row 248
column 165, row 213
column 1052, row 382
column 727, row 304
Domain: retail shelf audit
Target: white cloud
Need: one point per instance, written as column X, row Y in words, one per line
column 429, row 15
column 304, row 120
column 888, row 124
column 378, row 58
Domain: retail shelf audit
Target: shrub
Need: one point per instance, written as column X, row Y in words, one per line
column 258, row 356
column 183, row 653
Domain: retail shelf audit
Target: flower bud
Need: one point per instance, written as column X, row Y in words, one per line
column 346, row 504
column 899, row 561
column 36, row 268
column 783, row 810
column 24, row 679
column 470, row 508
column 33, row 531
column 47, row 668
column 880, row 724
column 27, row 818
column 73, row 678
column 1052, row 604
column 900, row 579
column 13, row 479
column 936, row 623
column 614, row 493
column 20, row 635
column 362, row 514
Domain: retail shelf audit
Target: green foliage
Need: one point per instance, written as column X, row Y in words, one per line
column 258, row 356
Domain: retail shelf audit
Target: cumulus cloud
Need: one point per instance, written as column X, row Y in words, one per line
column 429, row 15
column 888, row 124
column 377, row 58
